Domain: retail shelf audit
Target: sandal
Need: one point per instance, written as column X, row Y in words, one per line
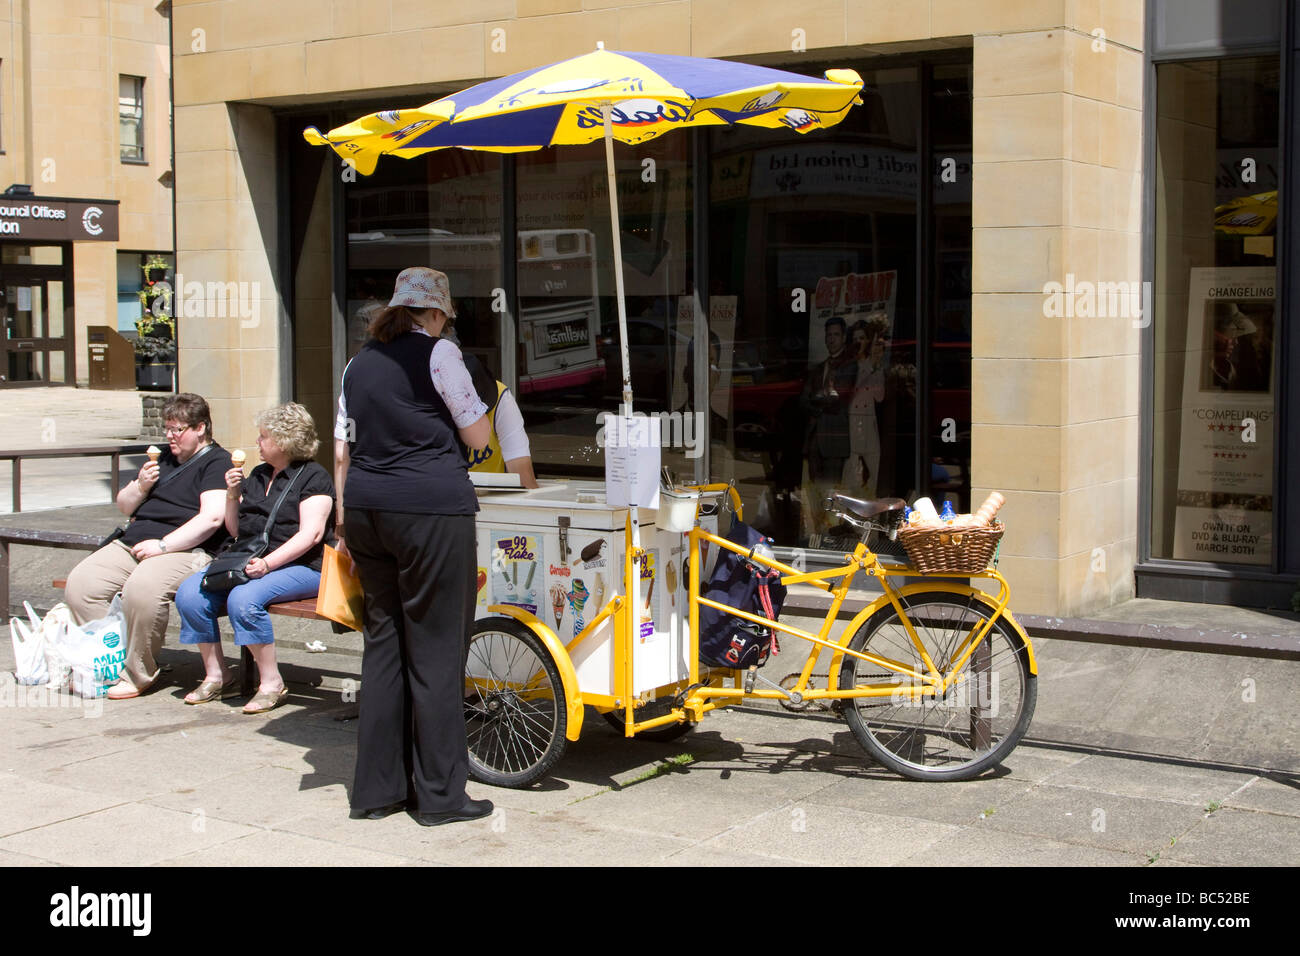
column 125, row 690
column 266, row 700
column 211, row 690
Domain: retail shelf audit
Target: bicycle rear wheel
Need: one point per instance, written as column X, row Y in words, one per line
column 976, row 723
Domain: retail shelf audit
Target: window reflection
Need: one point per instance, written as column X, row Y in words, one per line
column 1216, row 268
column 813, row 278
column 441, row 210
column 569, row 360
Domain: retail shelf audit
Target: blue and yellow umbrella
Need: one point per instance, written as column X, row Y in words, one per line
column 629, row 97
column 647, row 95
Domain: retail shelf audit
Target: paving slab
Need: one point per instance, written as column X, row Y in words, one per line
column 128, row 835
column 1092, row 818
column 1079, row 682
column 289, row 740
column 563, row 838
column 815, row 834
column 32, row 752
column 980, row 846
column 1278, row 794
column 713, row 856
column 265, row 797
column 167, row 763
column 8, row 859
column 1230, row 837
column 957, row 804
column 675, row 805
column 1154, row 779
column 27, row 804
column 272, row 848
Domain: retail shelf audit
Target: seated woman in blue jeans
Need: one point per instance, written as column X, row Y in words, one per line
column 288, row 570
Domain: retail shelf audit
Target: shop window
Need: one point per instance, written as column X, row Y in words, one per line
column 130, row 118
column 136, row 291
column 1215, row 324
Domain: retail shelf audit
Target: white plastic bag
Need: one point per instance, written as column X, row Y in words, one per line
column 95, row 652
column 30, row 645
column 57, row 620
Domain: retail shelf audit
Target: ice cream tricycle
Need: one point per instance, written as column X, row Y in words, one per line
column 934, row 676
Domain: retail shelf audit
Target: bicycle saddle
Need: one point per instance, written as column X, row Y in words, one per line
column 862, row 508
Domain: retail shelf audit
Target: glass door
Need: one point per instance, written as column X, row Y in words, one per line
column 33, row 349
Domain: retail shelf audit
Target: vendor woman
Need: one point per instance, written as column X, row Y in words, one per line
column 507, row 449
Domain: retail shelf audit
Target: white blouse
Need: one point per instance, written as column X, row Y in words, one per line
column 450, row 377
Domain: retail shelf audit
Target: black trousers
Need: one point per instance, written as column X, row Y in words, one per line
column 418, row 572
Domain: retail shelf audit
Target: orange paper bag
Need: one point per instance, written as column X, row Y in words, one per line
column 340, row 598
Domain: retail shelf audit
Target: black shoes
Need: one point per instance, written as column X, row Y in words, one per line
column 472, row 810
column 378, row 813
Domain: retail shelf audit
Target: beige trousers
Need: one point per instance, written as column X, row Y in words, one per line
column 147, row 587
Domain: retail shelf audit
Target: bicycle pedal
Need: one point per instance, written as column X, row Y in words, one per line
column 750, row 676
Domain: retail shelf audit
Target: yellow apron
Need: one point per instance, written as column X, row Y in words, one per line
column 489, row 458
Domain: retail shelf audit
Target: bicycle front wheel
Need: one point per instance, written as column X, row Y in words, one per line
column 975, row 724
column 515, row 717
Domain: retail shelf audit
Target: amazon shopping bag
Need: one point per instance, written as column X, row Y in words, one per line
column 94, row 652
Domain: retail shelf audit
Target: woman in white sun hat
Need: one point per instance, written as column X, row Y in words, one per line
column 406, row 416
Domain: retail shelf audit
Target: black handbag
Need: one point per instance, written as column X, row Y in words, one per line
column 226, row 571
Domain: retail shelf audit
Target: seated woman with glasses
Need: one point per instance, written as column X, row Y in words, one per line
column 176, row 505
column 288, row 568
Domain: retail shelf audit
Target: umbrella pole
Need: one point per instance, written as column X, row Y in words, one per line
column 633, row 586
column 618, row 259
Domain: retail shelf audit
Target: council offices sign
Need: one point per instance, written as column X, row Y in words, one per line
column 58, row 220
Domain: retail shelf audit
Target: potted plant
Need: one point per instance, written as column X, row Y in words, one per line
column 155, row 342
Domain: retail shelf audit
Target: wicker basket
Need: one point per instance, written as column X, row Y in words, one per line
column 951, row 550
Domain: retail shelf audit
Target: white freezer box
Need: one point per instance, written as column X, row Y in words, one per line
column 557, row 552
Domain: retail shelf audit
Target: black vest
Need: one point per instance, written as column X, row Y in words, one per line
column 406, row 454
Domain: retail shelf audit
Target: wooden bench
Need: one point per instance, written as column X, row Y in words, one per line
column 38, row 537
column 305, row 608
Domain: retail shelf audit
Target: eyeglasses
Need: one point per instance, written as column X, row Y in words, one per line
column 174, row 432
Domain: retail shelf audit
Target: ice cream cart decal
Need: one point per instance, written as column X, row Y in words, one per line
column 649, row 607
column 559, row 576
column 482, row 587
column 515, row 575
column 670, row 574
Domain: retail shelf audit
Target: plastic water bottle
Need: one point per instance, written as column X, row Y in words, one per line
column 947, row 515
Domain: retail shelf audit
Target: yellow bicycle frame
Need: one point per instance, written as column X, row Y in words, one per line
column 703, row 696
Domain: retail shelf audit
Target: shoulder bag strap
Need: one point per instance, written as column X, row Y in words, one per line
column 265, row 537
column 170, row 475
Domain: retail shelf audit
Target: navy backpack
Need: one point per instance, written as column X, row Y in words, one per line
column 729, row 641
